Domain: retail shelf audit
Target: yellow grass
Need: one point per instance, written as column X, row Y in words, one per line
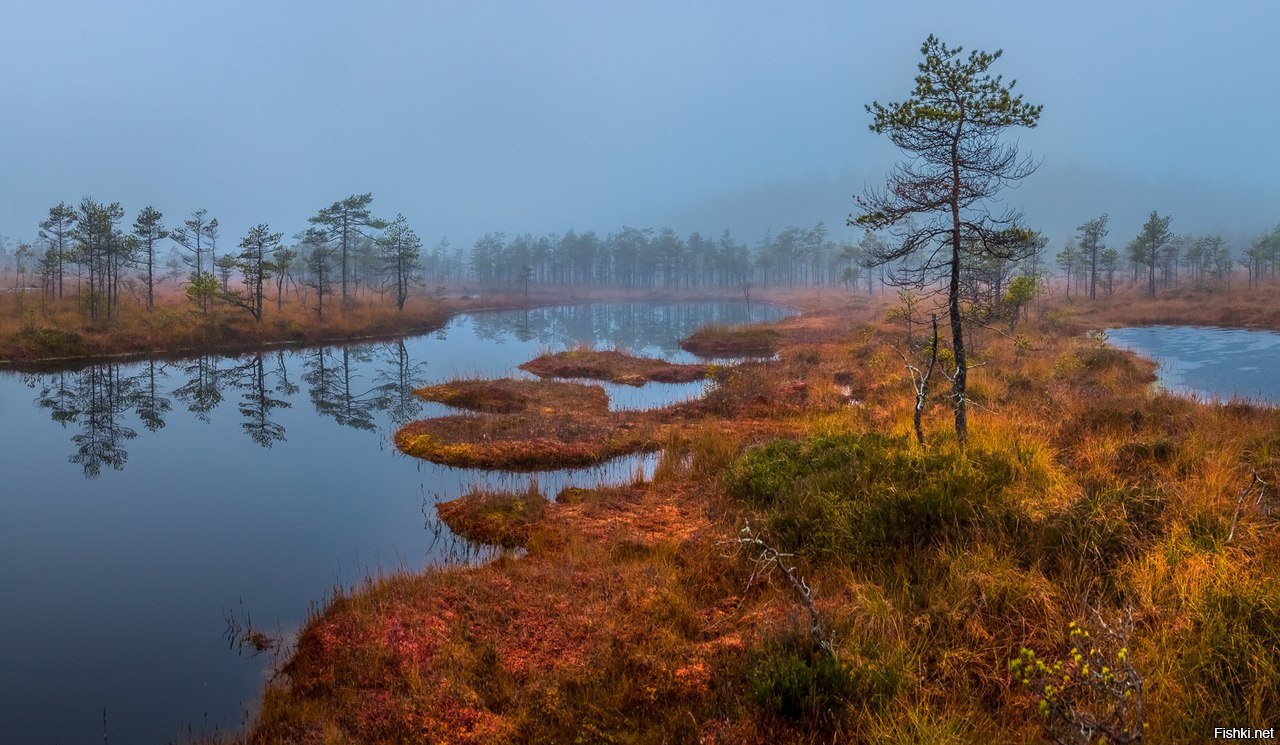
column 632, row 618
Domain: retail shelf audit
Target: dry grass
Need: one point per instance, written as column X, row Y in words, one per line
column 494, row 518
column 528, row 441
column 508, row 396
column 60, row 332
column 630, row 618
column 758, row 340
column 1237, row 307
column 613, row 366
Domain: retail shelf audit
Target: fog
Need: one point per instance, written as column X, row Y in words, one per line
column 488, row 116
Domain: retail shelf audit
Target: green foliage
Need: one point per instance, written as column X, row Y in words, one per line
column 788, row 678
column 1094, row 693
column 1021, row 291
column 37, row 342
column 1145, row 249
column 202, row 288
column 852, row 496
column 952, row 88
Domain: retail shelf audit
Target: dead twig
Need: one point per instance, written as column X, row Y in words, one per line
column 1262, row 488
column 769, row 560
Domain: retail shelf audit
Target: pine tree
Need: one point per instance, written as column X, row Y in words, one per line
column 937, row 202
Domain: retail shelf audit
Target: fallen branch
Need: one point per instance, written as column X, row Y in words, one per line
column 1262, row 488
column 770, row 559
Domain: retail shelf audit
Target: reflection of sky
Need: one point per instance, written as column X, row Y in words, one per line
column 1214, row 363
column 238, row 480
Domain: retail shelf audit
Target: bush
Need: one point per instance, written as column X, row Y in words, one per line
column 789, row 678
column 852, row 496
column 38, row 342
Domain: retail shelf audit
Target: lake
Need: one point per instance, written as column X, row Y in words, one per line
column 141, row 503
column 1213, row 363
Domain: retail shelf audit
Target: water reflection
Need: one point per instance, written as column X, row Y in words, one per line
column 352, row 385
column 152, row 406
column 202, row 391
column 95, row 401
column 338, row 388
column 399, row 375
column 140, row 537
column 634, row 326
column 258, row 402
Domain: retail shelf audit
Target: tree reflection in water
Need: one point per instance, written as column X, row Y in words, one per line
column 257, row 402
column 399, row 376
column 203, row 390
column 361, row 386
column 95, row 400
column 336, row 386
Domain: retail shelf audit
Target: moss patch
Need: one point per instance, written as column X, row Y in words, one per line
column 507, row 396
column 732, row 341
column 495, row 518
column 614, row 366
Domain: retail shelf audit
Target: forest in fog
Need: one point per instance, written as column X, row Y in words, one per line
column 91, row 253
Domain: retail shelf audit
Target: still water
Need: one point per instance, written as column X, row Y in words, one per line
column 142, row 502
column 1213, row 363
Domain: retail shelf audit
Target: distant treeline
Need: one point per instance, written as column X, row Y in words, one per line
column 88, row 252
column 648, row 258
column 1157, row 257
column 85, row 251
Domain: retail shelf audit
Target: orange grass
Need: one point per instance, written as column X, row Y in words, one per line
column 614, row 366
column 507, row 396
column 732, row 341
column 631, row 617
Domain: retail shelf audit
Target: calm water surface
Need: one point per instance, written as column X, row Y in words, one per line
column 141, row 503
column 1214, row 363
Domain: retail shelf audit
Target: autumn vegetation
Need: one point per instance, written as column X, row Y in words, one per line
column 837, row 544
column 57, row 334
column 633, row 613
column 614, row 366
column 732, row 341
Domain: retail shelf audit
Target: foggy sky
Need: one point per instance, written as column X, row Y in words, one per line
column 471, row 117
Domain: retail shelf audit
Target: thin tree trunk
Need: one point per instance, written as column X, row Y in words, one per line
column 953, row 304
column 922, row 390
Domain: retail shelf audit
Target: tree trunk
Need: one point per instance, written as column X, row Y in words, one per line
column 922, row 391
column 953, row 301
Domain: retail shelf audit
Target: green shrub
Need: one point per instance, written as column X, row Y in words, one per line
column 789, row 678
column 38, row 342
column 852, row 496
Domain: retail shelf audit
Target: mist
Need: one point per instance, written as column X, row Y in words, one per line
column 509, row 117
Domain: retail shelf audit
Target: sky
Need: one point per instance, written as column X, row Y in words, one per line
column 479, row 116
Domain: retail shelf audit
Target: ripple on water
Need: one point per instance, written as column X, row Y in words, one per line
column 1209, row 362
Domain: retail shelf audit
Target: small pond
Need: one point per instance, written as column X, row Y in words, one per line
column 1213, row 363
column 143, row 502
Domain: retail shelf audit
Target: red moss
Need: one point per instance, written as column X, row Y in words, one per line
column 506, row 396
column 614, row 366
column 733, row 341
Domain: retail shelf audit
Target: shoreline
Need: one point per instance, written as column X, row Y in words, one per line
column 415, row 327
column 625, row 615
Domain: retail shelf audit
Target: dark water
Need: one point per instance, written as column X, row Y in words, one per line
column 1212, row 363
column 140, row 503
